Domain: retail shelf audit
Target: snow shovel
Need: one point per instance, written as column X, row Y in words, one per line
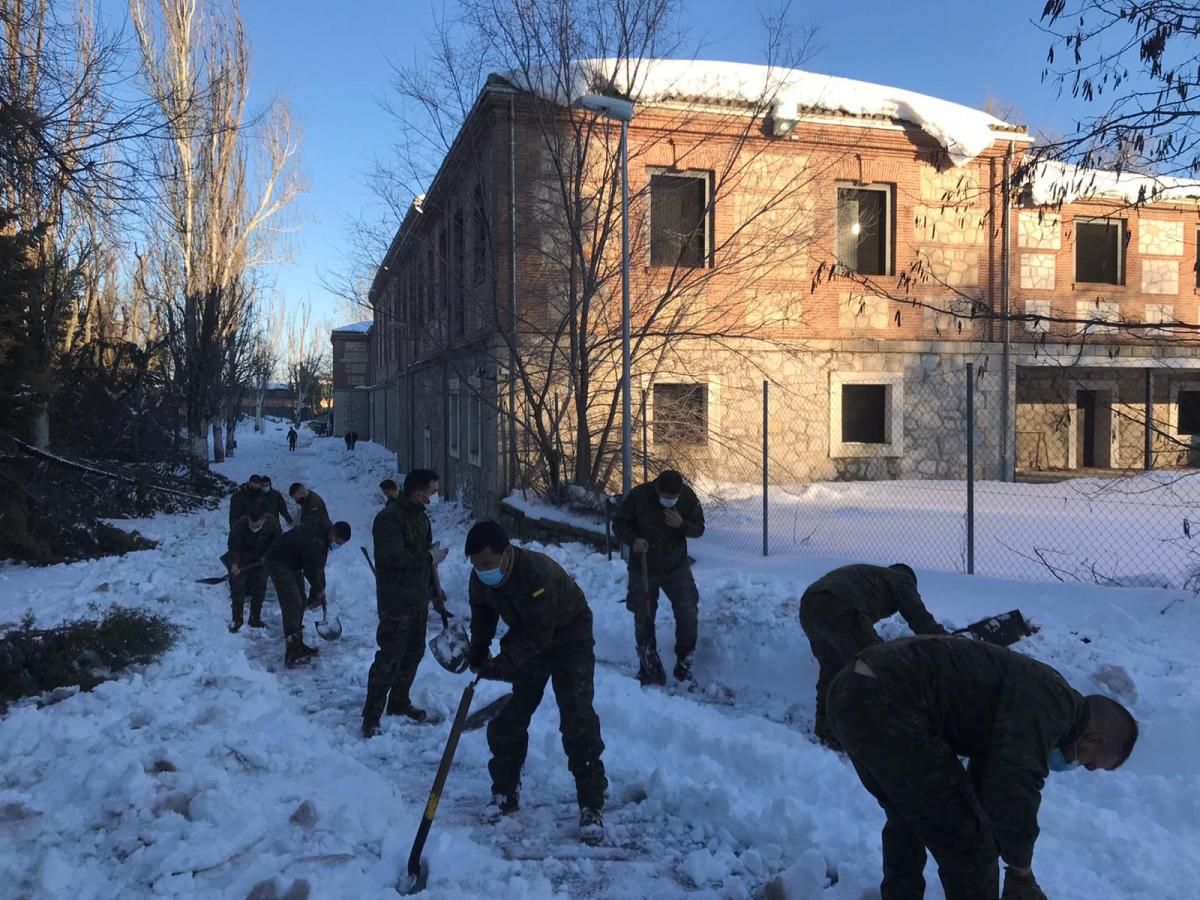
column 418, row 869
column 450, row 648
column 329, row 630
column 1002, row 630
column 224, row 578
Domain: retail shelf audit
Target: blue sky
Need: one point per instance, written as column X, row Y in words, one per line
column 331, row 61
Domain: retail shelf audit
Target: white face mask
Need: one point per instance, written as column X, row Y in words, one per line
column 257, row 528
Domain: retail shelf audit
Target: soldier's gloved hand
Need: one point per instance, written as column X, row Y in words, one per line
column 495, row 669
column 439, row 553
column 439, row 605
column 1019, row 884
column 316, row 600
column 640, row 545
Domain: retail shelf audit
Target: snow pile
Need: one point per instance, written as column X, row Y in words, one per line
column 791, row 94
column 217, row 771
column 1051, row 183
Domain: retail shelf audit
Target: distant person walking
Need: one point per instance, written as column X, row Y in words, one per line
column 348, row 438
column 353, row 439
column 293, row 436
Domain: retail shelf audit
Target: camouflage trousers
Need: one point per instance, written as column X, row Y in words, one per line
column 252, row 582
column 571, row 669
column 924, row 790
column 401, row 640
column 289, row 588
column 680, row 588
column 836, row 632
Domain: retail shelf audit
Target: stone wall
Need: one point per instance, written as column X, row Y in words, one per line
column 1160, row 238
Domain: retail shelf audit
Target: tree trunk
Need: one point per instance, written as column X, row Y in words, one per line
column 41, row 426
column 218, row 443
column 230, row 431
column 198, row 442
column 258, row 410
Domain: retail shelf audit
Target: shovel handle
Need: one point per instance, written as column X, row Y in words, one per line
column 645, row 574
column 367, row 557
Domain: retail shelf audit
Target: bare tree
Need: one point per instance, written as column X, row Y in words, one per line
column 561, row 354
column 307, row 358
column 223, row 182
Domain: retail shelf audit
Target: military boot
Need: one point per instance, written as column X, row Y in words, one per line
column 407, row 710
column 370, row 728
column 591, row 825
column 683, row 668
column 503, row 805
column 294, row 654
column 235, row 626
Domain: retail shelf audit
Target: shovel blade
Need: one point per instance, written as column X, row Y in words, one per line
column 450, row 648
column 415, row 882
column 485, row 714
column 330, row 629
column 1003, row 630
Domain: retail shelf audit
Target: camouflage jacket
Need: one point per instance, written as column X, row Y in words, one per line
column 275, row 506
column 312, row 509
column 403, row 565
column 245, row 546
column 641, row 516
column 876, row 591
column 540, row 603
column 303, row 549
column 1003, row 710
column 244, row 502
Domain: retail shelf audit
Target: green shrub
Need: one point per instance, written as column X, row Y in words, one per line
column 82, row 653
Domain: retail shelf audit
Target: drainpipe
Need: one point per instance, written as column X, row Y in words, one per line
column 1007, row 458
column 511, row 475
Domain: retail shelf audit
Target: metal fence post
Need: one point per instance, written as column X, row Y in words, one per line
column 765, row 463
column 1148, row 462
column 645, row 441
column 970, row 468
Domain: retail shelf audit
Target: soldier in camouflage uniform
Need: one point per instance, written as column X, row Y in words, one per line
column 655, row 520
column 549, row 639
column 312, row 507
column 246, row 499
column 249, row 540
column 839, row 610
column 405, row 583
column 906, row 711
column 296, row 555
column 273, row 502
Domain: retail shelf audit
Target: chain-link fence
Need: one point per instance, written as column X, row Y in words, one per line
column 918, row 467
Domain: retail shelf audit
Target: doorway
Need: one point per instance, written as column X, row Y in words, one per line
column 1093, row 429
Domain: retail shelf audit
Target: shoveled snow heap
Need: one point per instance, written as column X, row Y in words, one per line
column 792, row 94
column 1057, row 182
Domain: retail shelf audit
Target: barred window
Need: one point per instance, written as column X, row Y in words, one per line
column 681, row 414
column 679, row 220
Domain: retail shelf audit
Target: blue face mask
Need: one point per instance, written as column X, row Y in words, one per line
column 334, row 545
column 266, row 489
column 1059, row 763
column 490, row 577
column 668, row 502
column 256, row 530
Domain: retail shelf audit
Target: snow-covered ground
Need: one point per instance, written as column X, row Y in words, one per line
column 217, row 770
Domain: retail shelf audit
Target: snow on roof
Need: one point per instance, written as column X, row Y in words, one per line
column 278, row 386
column 963, row 132
column 1055, row 182
column 355, row 328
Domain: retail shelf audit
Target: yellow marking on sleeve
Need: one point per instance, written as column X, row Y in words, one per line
column 539, row 592
column 432, row 805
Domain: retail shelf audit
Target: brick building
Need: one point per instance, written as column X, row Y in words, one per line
column 852, row 244
column 352, row 375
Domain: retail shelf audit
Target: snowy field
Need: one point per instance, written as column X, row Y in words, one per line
column 217, row 770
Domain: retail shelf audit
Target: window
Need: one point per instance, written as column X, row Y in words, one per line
column 474, row 423
column 678, row 220
column 1099, row 250
column 681, row 414
column 1189, row 413
column 864, row 229
column 454, row 418
column 480, row 255
column 864, row 413
column 443, row 275
column 428, row 447
column 459, row 274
